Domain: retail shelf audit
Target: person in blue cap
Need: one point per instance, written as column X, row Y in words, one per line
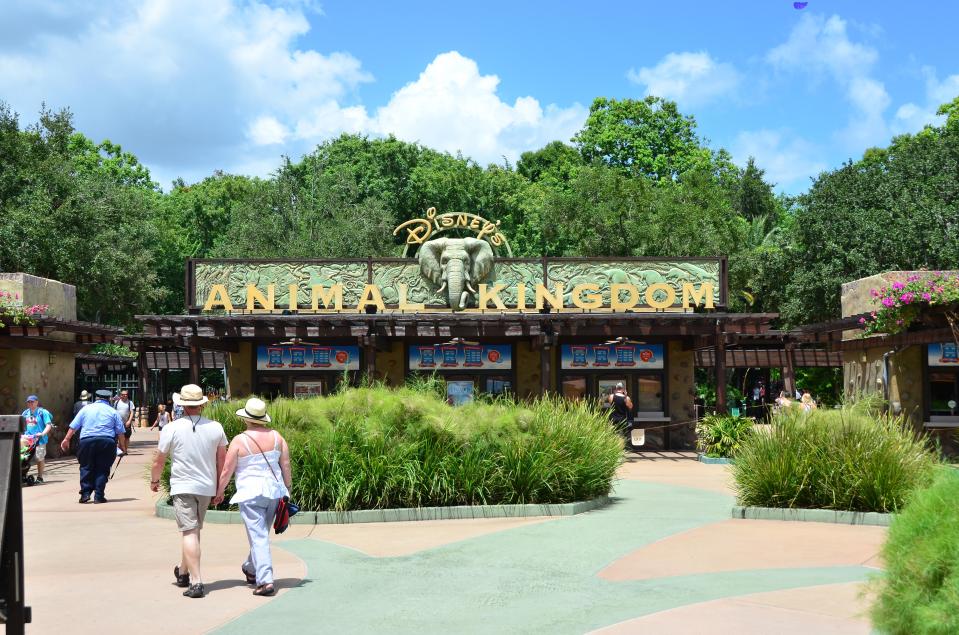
column 101, row 429
column 38, row 424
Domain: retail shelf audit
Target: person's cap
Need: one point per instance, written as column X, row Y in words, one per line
column 191, row 395
column 254, row 410
column 103, row 393
column 32, row 398
column 84, row 395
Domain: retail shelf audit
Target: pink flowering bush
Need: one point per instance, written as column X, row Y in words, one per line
column 12, row 310
column 902, row 303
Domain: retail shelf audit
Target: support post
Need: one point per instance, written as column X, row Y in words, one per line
column 369, row 354
column 720, row 368
column 789, row 372
column 545, row 363
column 194, row 363
column 16, row 613
column 143, row 377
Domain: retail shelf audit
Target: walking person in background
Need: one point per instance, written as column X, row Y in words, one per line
column 620, row 407
column 261, row 459
column 807, row 402
column 125, row 409
column 83, row 401
column 163, row 418
column 177, row 408
column 39, row 421
column 100, row 431
column 197, row 449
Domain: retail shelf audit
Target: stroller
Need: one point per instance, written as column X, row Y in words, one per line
column 28, row 450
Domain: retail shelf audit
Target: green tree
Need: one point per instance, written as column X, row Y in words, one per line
column 752, row 196
column 647, row 137
column 553, row 164
column 896, row 208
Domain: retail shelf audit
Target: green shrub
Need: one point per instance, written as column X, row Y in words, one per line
column 918, row 593
column 719, row 436
column 848, row 459
column 375, row 447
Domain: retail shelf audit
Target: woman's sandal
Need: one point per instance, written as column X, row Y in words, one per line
column 266, row 589
column 250, row 578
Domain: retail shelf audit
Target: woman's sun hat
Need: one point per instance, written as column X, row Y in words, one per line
column 191, row 395
column 84, row 395
column 254, row 411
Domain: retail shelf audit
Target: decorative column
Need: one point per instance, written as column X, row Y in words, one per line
column 195, row 359
column 143, row 376
column 789, row 372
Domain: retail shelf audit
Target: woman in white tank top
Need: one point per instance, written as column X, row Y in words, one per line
column 261, row 459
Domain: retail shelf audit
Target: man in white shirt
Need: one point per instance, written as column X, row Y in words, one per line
column 197, row 448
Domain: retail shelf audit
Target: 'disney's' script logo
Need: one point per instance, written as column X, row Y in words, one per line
column 419, row 230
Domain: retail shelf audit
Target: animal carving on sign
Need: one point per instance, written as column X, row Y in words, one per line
column 457, row 265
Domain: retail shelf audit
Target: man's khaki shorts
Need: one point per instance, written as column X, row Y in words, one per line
column 41, row 454
column 190, row 509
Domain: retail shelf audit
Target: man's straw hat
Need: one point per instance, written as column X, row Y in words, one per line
column 191, row 395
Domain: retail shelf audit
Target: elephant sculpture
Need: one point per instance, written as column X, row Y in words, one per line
column 457, row 265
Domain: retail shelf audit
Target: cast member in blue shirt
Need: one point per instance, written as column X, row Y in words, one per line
column 39, row 421
column 100, row 430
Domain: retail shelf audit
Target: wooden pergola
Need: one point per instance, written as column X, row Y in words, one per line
column 44, row 335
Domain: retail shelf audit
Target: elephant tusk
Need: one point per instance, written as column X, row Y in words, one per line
column 463, row 299
column 470, row 287
column 442, row 288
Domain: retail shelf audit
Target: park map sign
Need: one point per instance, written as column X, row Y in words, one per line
column 454, row 273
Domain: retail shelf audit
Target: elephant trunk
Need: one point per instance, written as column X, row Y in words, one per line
column 454, row 282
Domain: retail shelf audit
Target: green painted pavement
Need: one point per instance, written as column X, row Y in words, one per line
column 533, row 579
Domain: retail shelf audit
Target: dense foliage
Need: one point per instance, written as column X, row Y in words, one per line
column 373, row 448
column 719, row 436
column 917, row 591
column 847, row 459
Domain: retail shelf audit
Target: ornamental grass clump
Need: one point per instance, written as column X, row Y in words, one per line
column 845, row 459
column 379, row 448
column 918, row 591
column 719, row 436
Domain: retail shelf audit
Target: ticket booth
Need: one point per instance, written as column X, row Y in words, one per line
column 591, row 370
column 942, row 383
column 304, row 370
column 467, row 368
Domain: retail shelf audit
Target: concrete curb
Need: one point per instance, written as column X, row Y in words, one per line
column 165, row 510
column 813, row 515
column 709, row 460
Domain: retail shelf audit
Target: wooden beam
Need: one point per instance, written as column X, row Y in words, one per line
column 195, row 362
column 42, row 344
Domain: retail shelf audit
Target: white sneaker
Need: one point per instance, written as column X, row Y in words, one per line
column 120, row 452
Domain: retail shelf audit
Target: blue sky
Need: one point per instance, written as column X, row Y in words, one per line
column 191, row 87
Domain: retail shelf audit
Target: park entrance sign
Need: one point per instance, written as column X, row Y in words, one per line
column 460, row 306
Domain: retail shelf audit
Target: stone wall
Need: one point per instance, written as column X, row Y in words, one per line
column 49, row 375
column 528, row 370
column 862, row 372
column 390, row 366
column 240, row 371
column 682, row 392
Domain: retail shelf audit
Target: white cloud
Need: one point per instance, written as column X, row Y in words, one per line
column 452, row 107
column 911, row 117
column 690, row 79
column 789, row 160
column 817, row 47
column 224, row 84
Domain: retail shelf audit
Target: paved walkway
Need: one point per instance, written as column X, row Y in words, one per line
column 664, row 558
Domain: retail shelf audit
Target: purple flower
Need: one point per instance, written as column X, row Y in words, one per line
column 862, row 320
column 912, row 278
column 898, row 286
column 898, row 322
column 907, row 297
column 926, row 297
column 874, row 293
column 889, row 302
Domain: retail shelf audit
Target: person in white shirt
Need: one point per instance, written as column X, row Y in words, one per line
column 197, row 449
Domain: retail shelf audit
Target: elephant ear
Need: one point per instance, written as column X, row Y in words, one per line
column 429, row 256
column 481, row 258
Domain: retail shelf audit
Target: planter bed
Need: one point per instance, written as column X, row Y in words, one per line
column 813, row 515
column 717, row 460
column 165, row 510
